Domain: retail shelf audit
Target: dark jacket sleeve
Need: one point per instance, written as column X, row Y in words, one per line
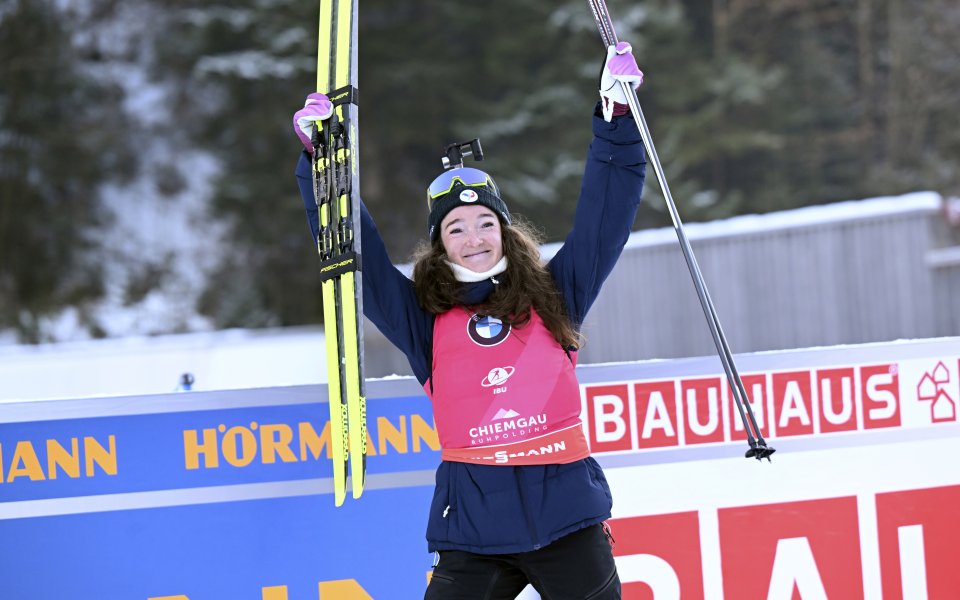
column 609, row 198
column 389, row 299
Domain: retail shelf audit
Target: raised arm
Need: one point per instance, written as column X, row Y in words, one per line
column 610, row 191
column 389, row 299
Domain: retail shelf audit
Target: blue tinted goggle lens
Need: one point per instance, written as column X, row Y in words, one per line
column 465, row 176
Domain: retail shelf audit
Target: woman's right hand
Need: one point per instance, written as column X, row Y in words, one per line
column 316, row 108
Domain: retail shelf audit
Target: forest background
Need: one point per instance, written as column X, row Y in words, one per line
column 147, row 154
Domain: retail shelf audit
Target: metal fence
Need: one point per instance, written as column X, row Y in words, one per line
column 852, row 272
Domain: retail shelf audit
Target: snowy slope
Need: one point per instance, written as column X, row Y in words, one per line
column 230, row 359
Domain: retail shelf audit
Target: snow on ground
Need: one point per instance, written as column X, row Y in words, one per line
column 173, row 235
column 229, row 359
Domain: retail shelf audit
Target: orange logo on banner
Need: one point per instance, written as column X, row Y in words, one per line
column 26, row 458
column 341, row 589
column 246, row 444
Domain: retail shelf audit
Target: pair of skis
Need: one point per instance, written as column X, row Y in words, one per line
column 758, row 446
column 336, row 187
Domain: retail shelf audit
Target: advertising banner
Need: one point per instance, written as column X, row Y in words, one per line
column 860, row 500
column 228, row 495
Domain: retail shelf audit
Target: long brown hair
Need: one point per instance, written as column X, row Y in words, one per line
column 526, row 283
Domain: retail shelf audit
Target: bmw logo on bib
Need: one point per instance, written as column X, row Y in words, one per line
column 487, row 331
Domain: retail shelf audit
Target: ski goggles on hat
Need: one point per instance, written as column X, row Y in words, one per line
column 461, row 176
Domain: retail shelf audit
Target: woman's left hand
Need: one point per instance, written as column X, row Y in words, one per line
column 621, row 67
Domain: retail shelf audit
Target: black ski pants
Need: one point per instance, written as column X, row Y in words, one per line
column 578, row 566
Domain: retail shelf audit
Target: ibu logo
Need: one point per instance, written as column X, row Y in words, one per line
column 496, row 376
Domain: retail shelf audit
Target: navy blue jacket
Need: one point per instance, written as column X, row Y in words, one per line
column 492, row 509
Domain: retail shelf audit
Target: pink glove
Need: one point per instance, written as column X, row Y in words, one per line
column 621, row 66
column 317, row 108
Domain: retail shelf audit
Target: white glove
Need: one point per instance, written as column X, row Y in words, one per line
column 621, row 66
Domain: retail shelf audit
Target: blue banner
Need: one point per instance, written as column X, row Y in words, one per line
column 213, row 504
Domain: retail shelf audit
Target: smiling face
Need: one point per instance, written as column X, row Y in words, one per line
column 471, row 237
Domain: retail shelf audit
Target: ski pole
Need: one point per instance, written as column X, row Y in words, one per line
column 758, row 447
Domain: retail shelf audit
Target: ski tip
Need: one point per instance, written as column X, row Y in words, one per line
column 357, row 484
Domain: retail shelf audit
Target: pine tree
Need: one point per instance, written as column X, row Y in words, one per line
column 53, row 154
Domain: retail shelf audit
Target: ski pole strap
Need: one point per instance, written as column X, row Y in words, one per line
column 338, row 265
column 348, row 94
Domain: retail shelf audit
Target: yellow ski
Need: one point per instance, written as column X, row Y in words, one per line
column 337, row 190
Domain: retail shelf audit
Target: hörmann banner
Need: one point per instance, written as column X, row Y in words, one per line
column 228, row 495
